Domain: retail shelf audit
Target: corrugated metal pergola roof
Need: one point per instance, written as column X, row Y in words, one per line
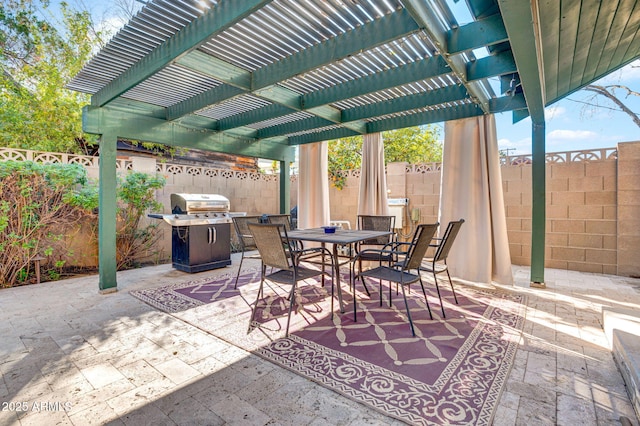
column 257, row 76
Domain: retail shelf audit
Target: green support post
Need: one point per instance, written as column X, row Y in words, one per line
column 107, row 214
column 285, row 187
column 538, row 214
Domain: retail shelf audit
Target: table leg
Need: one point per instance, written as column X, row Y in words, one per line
column 336, row 262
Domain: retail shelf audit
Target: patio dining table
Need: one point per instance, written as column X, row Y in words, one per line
column 340, row 237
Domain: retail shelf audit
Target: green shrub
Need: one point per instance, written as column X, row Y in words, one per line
column 38, row 205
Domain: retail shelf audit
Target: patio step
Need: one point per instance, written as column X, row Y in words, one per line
column 622, row 328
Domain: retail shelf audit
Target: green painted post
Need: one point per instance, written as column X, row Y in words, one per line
column 107, row 214
column 285, row 187
column 538, row 214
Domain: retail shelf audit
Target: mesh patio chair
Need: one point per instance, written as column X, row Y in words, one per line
column 438, row 264
column 240, row 223
column 374, row 223
column 285, row 219
column 281, row 219
column 271, row 241
column 410, row 256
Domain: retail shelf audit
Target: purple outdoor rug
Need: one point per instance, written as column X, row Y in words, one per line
column 452, row 372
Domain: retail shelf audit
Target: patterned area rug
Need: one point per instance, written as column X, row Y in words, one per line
column 452, row 372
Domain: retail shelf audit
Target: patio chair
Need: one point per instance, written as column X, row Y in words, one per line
column 240, row 223
column 271, row 241
column 282, row 219
column 438, row 264
column 374, row 223
column 285, row 219
column 411, row 256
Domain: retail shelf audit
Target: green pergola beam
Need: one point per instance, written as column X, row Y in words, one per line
column 322, row 135
column 254, row 116
column 427, row 117
column 520, row 21
column 408, row 102
column 107, row 213
column 216, row 19
column 132, row 126
column 477, row 34
column 508, row 103
column 366, row 36
column 491, row 66
column 394, row 77
column 202, row 100
column 293, row 127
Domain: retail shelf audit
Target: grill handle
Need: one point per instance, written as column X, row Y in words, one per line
column 213, row 235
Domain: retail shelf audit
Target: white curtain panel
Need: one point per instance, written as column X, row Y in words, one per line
column 372, row 198
column 471, row 189
column 313, row 186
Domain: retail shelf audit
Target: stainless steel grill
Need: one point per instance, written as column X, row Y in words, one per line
column 201, row 231
column 196, row 209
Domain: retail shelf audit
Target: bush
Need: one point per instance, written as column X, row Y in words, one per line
column 136, row 195
column 38, row 204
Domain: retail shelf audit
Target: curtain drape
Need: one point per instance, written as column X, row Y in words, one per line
column 313, row 186
column 372, row 197
column 471, row 189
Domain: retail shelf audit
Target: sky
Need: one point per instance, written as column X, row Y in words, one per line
column 571, row 124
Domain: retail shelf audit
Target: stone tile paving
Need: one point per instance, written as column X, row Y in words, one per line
column 71, row 356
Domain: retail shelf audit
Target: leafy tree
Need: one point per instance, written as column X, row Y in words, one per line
column 38, row 58
column 411, row 144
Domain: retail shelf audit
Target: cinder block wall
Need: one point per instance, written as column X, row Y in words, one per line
column 593, row 207
column 593, row 202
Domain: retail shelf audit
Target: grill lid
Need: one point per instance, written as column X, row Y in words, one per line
column 199, row 203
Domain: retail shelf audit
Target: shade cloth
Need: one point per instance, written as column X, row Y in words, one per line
column 372, row 198
column 471, row 189
column 313, row 186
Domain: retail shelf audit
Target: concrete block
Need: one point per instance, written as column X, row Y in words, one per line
column 559, row 170
column 604, row 257
column 569, row 254
column 629, row 197
column 557, row 212
column 605, row 227
column 589, row 183
column 585, row 241
column 628, row 167
column 586, row 212
column 600, row 198
column 567, row 198
column 601, row 168
column 557, row 184
column 556, row 239
column 629, row 150
column 570, row 226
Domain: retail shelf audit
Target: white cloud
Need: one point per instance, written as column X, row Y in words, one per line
column 519, row 147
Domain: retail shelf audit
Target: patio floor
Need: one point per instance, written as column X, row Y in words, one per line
column 70, row 356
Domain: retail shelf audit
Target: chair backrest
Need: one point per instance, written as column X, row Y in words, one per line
column 240, row 223
column 280, row 219
column 268, row 238
column 447, row 240
column 377, row 223
column 419, row 245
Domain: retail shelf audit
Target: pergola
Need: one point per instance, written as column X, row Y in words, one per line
column 258, row 77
